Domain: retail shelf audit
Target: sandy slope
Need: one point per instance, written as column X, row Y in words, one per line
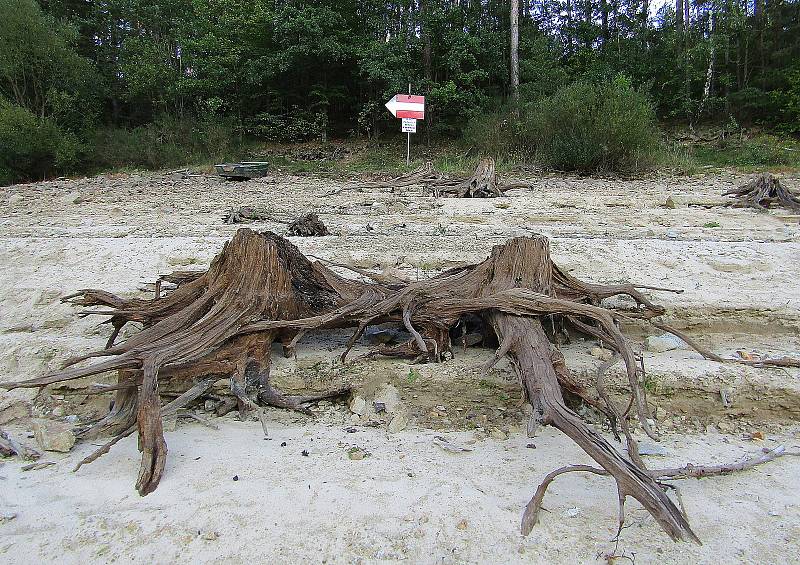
column 741, row 292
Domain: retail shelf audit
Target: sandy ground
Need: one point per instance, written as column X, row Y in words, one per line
column 406, row 500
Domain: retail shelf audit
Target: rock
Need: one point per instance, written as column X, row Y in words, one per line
column 7, row 516
column 71, row 198
column 462, row 525
column 380, row 208
column 209, row 536
column 15, row 199
column 672, row 234
column 356, row 453
column 670, row 203
column 58, row 411
column 600, row 353
column 170, row 423
column 725, row 427
column 358, row 406
column 210, row 405
column 13, row 409
column 399, row 422
column 498, row 435
column 662, row 343
column 388, row 396
column 573, row 512
column 53, row 436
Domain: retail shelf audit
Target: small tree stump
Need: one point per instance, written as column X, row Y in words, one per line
column 762, row 192
column 307, row 226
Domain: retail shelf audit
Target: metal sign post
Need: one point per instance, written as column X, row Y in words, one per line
column 409, row 108
column 408, row 133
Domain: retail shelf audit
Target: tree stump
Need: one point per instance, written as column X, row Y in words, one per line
column 762, row 192
column 307, row 226
column 220, row 324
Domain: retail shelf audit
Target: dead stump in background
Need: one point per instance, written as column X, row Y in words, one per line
column 307, row 226
column 762, row 192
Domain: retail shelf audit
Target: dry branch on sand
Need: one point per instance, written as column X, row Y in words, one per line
column 260, row 289
column 762, row 192
column 306, row 225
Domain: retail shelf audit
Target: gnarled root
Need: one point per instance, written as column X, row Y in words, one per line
column 220, row 324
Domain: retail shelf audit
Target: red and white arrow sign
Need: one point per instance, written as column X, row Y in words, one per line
column 407, row 106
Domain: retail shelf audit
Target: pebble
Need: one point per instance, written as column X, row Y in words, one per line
column 356, row 454
column 209, row 536
column 662, row 343
column 601, row 353
column 462, row 525
column 498, row 435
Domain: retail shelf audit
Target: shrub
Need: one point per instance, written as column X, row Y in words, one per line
column 167, row 142
column 591, row 127
column 298, row 125
column 32, row 148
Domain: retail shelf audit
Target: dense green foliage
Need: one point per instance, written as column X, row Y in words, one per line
column 101, row 78
column 589, row 127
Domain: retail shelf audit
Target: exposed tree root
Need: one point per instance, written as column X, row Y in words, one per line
column 531, row 515
column 482, row 184
column 221, row 324
column 762, row 192
column 248, row 214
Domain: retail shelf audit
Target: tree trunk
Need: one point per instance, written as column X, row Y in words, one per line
column 515, row 56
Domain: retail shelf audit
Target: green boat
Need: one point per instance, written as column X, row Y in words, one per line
column 242, row 171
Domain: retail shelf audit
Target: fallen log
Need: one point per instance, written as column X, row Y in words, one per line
column 261, row 289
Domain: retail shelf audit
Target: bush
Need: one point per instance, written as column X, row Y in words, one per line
column 32, row 148
column 591, row 127
column 167, row 142
column 298, row 125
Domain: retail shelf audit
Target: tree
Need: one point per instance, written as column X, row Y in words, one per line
column 515, row 55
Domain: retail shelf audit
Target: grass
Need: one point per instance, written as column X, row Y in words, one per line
column 123, row 151
column 749, row 155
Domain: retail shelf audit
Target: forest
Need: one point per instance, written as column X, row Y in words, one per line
column 92, row 85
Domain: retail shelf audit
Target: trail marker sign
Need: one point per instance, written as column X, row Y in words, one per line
column 407, row 106
column 410, row 108
column 409, row 125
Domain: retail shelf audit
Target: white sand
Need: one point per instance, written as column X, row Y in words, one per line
column 741, row 291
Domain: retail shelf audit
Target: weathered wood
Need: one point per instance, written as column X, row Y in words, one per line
column 260, row 289
column 762, row 192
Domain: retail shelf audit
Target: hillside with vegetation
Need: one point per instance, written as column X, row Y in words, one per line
column 602, row 84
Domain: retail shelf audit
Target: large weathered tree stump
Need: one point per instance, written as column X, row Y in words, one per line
column 220, row 324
